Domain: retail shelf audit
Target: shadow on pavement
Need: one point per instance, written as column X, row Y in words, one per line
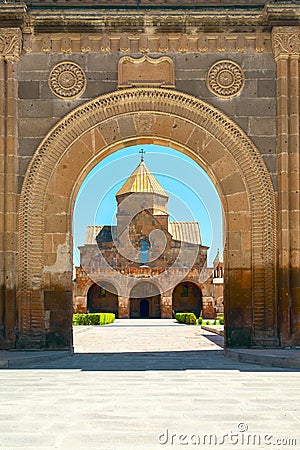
column 215, row 338
column 152, row 361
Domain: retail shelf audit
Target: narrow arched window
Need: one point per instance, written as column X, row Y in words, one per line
column 144, row 246
column 185, row 290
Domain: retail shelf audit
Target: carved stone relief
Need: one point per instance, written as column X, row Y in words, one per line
column 10, row 43
column 286, row 42
column 67, row 80
column 225, row 79
column 158, row 43
column 146, row 71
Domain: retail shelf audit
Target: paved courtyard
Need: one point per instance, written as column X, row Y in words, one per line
column 149, row 384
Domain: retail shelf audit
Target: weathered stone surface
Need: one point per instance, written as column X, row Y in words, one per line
column 29, row 89
column 27, row 146
column 28, row 109
column 263, row 126
column 266, row 88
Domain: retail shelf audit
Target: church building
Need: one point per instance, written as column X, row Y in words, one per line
column 146, row 265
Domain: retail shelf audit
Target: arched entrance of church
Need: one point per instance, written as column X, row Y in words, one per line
column 145, row 301
column 187, row 297
column 102, row 126
column 102, row 297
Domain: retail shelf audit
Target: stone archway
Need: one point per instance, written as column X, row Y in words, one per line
column 127, row 117
column 187, row 297
column 102, row 297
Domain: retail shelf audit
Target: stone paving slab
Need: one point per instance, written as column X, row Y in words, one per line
column 140, row 386
column 289, row 358
column 269, row 357
column 23, row 358
column 218, row 329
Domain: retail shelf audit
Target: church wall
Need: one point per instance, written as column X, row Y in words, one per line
column 218, row 298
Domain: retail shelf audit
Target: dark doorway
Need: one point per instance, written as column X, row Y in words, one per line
column 144, row 308
column 145, row 301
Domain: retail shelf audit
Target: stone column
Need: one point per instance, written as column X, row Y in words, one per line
column 124, row 307
column 166, row 307
column 2, row 197
column 286, row 47
column 9, row 56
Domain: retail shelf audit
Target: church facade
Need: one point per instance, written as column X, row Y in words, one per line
column 146, row 265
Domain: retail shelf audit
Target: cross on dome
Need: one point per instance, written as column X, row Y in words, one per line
column 142, row 151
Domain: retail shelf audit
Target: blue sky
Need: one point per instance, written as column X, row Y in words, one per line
column 192, row 195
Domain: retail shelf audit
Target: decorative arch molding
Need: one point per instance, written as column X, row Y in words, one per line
column 104, row 281
column 134, row 283
column 206, row 132
column 187, row 280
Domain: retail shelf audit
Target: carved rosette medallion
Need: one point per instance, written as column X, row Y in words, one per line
column 67, row 80
column 225, row 79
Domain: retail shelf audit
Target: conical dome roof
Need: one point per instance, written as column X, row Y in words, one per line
column 218, row 257
column 142, row 180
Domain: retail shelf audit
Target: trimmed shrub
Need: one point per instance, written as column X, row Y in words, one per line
column 187, row 318
column 200, row 320
column 221, row 320
column 93, row 319
column 79, row 319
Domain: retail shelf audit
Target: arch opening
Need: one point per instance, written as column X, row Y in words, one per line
column 102, row 298
column 187, row 297
column 181, row 214
column 113, row 121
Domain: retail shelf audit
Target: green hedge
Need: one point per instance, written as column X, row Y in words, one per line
column 93, row 319
column 188, row 318
column 219, row 321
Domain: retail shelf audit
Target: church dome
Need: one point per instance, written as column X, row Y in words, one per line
column 142, row 180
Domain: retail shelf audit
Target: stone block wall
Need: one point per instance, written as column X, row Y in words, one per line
column 39, row 109
column 254, row 109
